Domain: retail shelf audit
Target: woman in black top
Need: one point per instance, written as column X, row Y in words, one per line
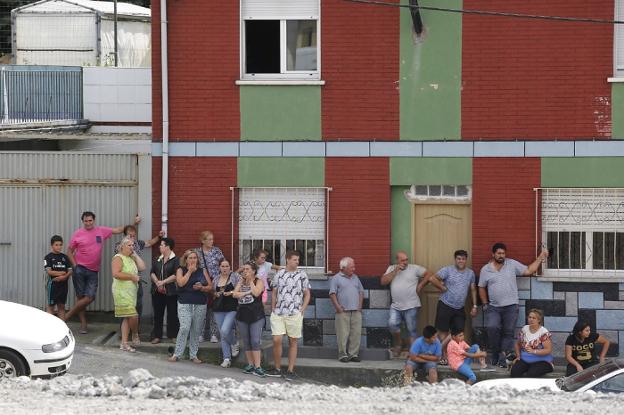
column 250, row 316
column 580, row 348
column 224, row 308
column 193, row 287
column 164, row 292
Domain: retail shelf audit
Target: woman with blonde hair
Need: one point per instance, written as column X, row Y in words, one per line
column 193, row 288
column 533, row 348
column 125, row 268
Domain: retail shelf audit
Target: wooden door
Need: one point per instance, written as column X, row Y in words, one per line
column 439, row 230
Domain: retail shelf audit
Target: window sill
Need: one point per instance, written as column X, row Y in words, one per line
column 279, row 82
column 579, row 278
column 615, row 79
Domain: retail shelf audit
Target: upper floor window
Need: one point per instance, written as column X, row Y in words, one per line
column 584, row 232
column 618, row 33
column 280, row 39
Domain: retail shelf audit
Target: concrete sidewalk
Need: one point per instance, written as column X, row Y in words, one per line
column 324, row 370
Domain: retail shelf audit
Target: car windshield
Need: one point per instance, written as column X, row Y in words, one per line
column 580, row 379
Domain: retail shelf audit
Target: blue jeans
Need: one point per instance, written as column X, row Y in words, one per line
column 85, row 281
column 500, row 324
column 465, row 368
column 225, row 321
column 251, row 334
column 409, row 316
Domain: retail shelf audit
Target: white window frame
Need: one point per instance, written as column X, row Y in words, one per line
column 299, row 195
column 618, row 42
column 285, row 74
column 584, row 210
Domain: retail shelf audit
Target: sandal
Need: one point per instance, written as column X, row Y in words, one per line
column 173, row 358
column 196, row 360
column 127, row 348
column 136, row 341
column 155, row 340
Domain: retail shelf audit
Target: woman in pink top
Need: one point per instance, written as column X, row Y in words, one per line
column 460, row 355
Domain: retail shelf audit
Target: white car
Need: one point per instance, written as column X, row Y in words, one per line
column 607, row 377
column 32, row 342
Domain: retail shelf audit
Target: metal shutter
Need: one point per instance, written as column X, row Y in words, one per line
column 280, row 9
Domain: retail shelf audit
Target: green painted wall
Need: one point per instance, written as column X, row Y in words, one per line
column 430, row 74
column 583, row 172
column 282, row 112
column 401, row 218
column 430, row 170
column 617, row 110
column 281, row 171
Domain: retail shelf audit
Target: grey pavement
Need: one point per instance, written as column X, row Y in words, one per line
column 98, row 353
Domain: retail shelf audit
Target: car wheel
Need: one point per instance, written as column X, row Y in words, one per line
column 11, row 365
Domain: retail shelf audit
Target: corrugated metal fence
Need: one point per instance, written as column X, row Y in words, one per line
column 43, row 194
column 40, row 93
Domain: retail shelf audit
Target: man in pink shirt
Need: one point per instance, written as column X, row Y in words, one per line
column 85, row 253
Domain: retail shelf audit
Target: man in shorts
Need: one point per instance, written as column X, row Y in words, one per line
column 289, row 299
column 85, row 253
column 403, row 279
column 454, row 281
column 424, row 355
column 58, row 267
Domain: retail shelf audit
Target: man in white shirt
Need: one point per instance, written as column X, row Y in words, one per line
column 403, row 279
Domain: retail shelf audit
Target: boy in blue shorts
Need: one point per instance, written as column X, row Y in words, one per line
column 424, row 355
column 58, row 268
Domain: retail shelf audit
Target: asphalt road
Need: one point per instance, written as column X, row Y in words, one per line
column 102, row 361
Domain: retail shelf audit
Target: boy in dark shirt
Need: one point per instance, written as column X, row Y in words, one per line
column 58, row 268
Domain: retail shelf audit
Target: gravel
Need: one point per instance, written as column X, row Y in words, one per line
column 140, row 392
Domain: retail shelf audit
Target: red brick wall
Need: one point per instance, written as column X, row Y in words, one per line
column 536, row 79
column 503, row 207
column 360, row 63
column 203, row 66
column 359, row 213
column 199, row 199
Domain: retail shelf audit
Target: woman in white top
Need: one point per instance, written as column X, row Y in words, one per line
column 533, row 348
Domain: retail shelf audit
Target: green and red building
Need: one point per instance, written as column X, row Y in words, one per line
column 335, row 127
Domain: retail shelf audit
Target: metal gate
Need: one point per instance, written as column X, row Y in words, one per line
column 44, row 194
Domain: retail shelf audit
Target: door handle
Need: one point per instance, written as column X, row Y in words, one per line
column 5, row 243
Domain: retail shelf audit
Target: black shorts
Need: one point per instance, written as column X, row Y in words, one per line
column 448, row 317
column 57, row 292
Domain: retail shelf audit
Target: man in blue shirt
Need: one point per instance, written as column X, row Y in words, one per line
column 454, row 281
column 424, row 355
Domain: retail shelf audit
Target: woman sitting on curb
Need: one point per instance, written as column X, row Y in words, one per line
column 580, row 348
column 533, row 348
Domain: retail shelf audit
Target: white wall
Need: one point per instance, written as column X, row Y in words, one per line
column 118, row 95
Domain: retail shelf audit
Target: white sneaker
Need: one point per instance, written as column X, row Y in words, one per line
column 214, row 339
column 226, row 363
column 235, row 349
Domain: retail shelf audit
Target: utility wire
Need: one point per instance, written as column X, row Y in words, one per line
column 489, row 13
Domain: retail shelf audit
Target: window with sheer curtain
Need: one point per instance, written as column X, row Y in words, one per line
column 283, row 219
column 584, row 232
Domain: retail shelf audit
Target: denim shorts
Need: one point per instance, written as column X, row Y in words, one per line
column 85, row 281
column 421, row 365
column 409, row 316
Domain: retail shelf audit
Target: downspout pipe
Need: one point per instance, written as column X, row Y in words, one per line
column 165, row 116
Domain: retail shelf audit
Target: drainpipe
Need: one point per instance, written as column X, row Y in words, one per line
column 165, row 115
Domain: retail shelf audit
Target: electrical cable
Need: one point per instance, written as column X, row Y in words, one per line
column 489, row 13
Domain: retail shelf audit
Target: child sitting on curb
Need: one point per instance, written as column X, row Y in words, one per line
column 424, row 355
column 460, row 355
